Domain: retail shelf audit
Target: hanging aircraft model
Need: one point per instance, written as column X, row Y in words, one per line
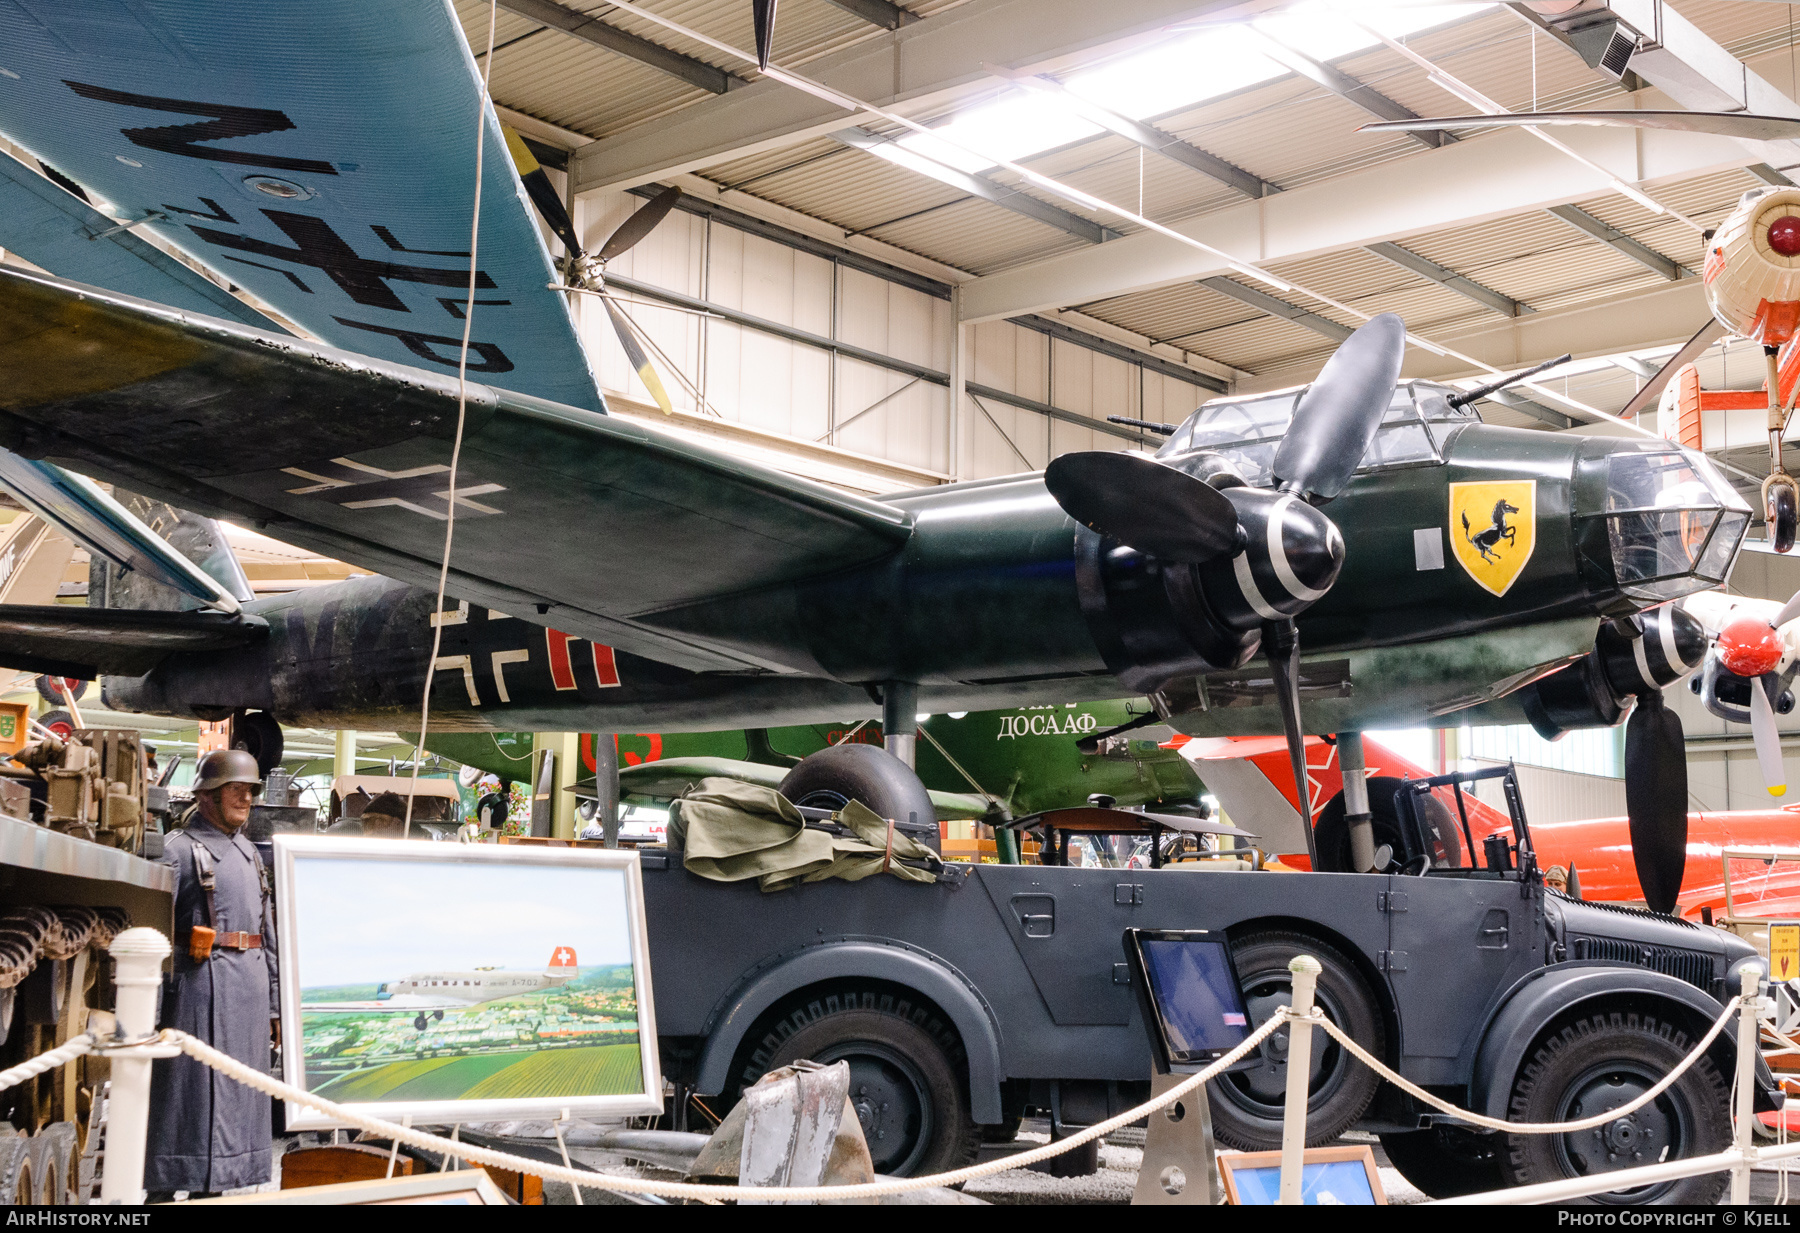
column 1459, row 563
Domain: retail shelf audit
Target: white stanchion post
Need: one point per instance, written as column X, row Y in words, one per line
column 1305, row 970
column 138, row 956
column 1748, row 1041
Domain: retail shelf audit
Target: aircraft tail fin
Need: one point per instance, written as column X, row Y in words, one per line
column 562, row 961
column 197, row 539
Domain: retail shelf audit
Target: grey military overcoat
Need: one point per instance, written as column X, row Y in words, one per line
column 207, row 1132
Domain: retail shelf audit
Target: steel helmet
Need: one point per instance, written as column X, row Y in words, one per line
column 223, row 766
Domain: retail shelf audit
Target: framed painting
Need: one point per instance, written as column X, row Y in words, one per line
column 463, row 982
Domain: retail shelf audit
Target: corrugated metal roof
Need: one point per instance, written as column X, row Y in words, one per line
column 1288, row 131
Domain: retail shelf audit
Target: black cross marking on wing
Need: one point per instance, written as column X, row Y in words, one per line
column 423, row 490
column 361, row 278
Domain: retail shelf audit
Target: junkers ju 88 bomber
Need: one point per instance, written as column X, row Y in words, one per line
column 1360, row 552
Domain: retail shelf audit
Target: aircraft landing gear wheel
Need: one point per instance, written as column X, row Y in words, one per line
column 1247, row 1106
column 437, row 1014
column 420, row 1022
column 257, row 734
column 909, row 1080
column 850, row 772
column 1447, row 1161
column 1599, row 1063
column 1781, row 506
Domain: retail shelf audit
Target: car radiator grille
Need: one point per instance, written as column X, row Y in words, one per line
column 1694, row 967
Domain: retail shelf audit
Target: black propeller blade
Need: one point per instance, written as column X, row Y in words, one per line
column 1281, row 646
column 1690, row 351
column 1144, row 504
column 1656, row 799
column 541, row 191
column 640, row 224
column 762, row 12
column 1339, row 413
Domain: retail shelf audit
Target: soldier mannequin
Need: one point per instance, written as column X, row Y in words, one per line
column 208, row 1133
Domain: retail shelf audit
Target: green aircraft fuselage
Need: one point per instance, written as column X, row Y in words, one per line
column 1026, row 758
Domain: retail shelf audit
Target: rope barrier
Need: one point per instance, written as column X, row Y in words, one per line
column 1528, row 1128
column 234, row 1069
column 78, row 1047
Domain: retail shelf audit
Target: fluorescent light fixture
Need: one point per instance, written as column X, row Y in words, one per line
column 1647, row 202
column 1008, row 129
column 1262, row 276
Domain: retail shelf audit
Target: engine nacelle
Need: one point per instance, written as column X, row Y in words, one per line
column 1156, row 620
column 1595, row 691
column 1752, row 272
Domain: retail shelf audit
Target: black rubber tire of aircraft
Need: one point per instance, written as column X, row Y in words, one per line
column 59, row 722
column 1247, row 1106
column 909, row 1076
column 1602, row 1061
column 16, row 1185
column 258, row 734
column 865, row 773
column 1447, row 1161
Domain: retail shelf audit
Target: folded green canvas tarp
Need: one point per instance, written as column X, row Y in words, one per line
column 731, row 831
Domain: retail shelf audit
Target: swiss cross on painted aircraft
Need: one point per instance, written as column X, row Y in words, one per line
column 427, row 995
column 1287, row 562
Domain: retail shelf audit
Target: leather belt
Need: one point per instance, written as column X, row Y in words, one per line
column 230, row 941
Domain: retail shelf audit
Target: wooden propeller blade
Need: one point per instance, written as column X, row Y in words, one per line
column 541, row 191
column 639, row 361
column 640, row 224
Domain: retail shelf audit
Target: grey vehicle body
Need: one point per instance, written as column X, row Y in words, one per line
column 1469, row 969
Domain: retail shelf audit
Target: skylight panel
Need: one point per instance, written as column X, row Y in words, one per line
column 1181, row 73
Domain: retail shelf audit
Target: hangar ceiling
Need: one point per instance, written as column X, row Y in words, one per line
column 1493, row 245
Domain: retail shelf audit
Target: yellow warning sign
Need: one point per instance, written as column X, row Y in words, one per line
column 1493, row 528
column 1784, row 950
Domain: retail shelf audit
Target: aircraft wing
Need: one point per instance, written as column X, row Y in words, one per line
column 52, row 227
column 68, row 640
column 321, row 155
column 575, row 519
column 402, row 1005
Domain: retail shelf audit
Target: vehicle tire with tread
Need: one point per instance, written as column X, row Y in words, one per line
column 16, row 1186
column 1447, row 1161
column 258, row 734
column 54, row 1159
column 1247, row 1106
column 909, row 1079
column 1600, row 1062
column 865, row 773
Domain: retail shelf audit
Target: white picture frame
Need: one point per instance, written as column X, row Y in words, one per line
column 402, row 918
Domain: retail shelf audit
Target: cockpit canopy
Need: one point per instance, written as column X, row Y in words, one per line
column 1248, row 430
column 1672, row 523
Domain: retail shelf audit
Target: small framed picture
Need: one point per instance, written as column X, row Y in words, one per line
column 464, row 982
column 1340, row 1176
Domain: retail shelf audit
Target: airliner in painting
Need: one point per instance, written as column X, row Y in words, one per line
column 427, row 995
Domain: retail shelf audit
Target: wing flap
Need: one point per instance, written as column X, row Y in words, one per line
column 65, row 640
column 593, row 518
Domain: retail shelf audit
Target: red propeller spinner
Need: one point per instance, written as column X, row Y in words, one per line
column 1749, row 646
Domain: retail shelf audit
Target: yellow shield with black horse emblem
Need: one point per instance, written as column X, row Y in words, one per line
column 1493, row 528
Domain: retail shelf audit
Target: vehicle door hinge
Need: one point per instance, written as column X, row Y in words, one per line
column 1390, row 901
column 1131, row 893
column 1391, row 960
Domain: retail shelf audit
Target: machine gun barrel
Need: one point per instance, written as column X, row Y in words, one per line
column 1152, row 425
column 1482, row 391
